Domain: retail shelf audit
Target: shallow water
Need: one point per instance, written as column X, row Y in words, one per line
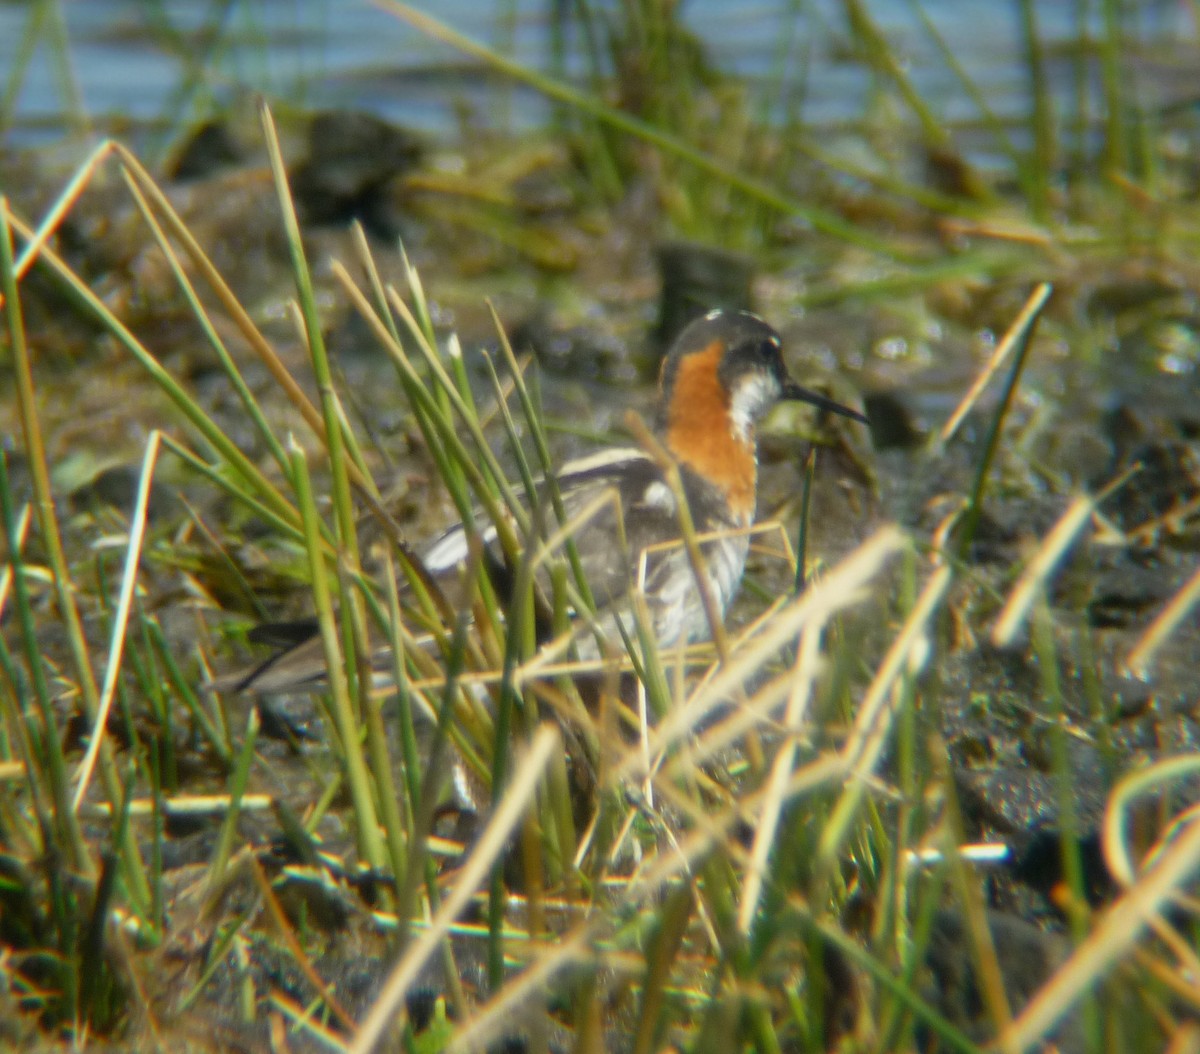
column 129, row 65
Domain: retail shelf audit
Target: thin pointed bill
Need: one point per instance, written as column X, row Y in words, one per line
column 794, row 391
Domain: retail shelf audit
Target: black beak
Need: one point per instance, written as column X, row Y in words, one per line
column 794, row 391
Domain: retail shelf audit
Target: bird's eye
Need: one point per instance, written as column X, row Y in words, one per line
column 752, row 355
column 757, row 351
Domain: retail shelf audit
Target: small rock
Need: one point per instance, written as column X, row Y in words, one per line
column 891, row 421
column 697, row 278
column 352, row 157
column 208, row 149
column 1027, row 957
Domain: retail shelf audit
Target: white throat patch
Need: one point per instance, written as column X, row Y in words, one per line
column 754, row 395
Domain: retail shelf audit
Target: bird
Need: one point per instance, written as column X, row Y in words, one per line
column 721, row 375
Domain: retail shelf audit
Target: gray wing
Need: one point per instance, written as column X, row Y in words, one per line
column 615, row 494
column 617, row 504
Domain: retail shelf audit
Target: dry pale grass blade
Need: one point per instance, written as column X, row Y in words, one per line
column 844, row 585
column 503, row 388
column 183, row 805
column 713, row 823
column 998, row 230
column 1150, row 779
column 133, row 552
column 939, row 538
column 1186, row 1040
column 677, row 860
column 286, row 932
column 345, row 719
column 804, row 674
column 873, row 722
column 1184, row 977
column 862, row 746
column 296, row 317
column 432, row 359
column 474, row 872
column 27, row 405
column 555, row 547
column 545, row 662
column 1109, row 942
column 1040, row 567
column 165, row 380
column 1012, row 337
column 641, row 611
column 971, row 853
column 712, row 827
column 755, row 712
column 669, row 466
column 303, row 1022
column 463, row 460
column 62, row 205
column 516, row 382
column 253, row 336
column 496, row 1016
column 556, row 542
column 786, row 552
column 1171, row 522
column 1137, row 662
column 23, row 521
column 341, row 445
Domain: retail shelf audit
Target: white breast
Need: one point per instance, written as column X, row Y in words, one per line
column 675, row 600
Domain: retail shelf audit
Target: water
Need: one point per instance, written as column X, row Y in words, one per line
column 129, row 59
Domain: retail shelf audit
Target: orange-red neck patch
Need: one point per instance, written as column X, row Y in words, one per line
column 700, row 431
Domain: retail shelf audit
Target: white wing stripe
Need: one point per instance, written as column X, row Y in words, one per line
column 450, row 549
column 601, row 459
